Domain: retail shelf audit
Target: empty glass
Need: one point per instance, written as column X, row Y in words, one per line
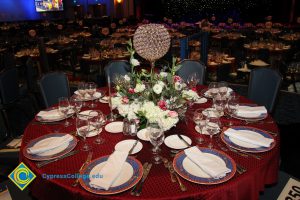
column 200, row 122
column 219, row 103
column 232, row 106
column 64, row 107
column 193, row 80
column 213, row 126
column 91, row 90
column 156, row 135
column 223, row 88
column 76, row 105
column 97, row 120
column 213, row 88
column 82, row 91
column 83, row 128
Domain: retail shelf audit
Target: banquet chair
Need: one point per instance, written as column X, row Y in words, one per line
column 190, row 66
column 263, row 88
column 52, row 86
column 117, row 67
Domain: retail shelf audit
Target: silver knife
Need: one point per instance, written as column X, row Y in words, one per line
column 131, row 150
column 140, row 187
column 182, row 139
column 145, row 165
column 43, row 163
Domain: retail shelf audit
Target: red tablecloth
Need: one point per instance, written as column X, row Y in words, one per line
column 158, row 185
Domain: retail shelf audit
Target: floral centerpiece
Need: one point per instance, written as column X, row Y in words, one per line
column 152, row 96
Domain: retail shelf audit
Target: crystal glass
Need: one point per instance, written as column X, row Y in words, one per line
column 97, row 120
column 75, row 104
column 193, row 80
column 232, row 106
column 91, row 90
column 213, row 87
column 64, row 107
column 82, row 91
column 83, row 128
column 213, row 126
column 156, row 135
column 200, row 122
column 219, row 103
column 223, row 88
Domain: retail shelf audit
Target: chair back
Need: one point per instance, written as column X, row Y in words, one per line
column 263, row 88
column 190, row 66
column 9, row 87
column 118, row 67
column 52, row 86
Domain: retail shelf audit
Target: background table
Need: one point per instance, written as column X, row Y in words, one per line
column 158, row 184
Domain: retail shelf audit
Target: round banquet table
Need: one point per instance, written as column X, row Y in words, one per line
column 158, row 184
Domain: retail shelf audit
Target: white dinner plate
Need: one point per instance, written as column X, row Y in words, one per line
column 114, row 127
column 212, row 111
column 174, row 142
column 246, row 144
column 201, row 100
column 143, row 134
column 126, row 145
column 51, row 152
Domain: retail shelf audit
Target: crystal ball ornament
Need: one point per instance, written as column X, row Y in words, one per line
column 151, row 41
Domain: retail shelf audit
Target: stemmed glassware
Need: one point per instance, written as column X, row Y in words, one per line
column 200, row 122
column 82, row 91
column 156, row 135
column 111, row 117
column 193, row 80
column 219, row 103
column 223, row 88
column 213, row 87
column 213, row 126
column 64, row 107
column 76, row 105
column 83, row 128
column 232, row 105
column 91, row 90
column 97, row 120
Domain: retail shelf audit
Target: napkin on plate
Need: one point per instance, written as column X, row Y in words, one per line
column 110, row 171
column 50, row 115
column 52, row 143
column 206, row 163
column 207, row 93
column 249, row 138
column 251, row 111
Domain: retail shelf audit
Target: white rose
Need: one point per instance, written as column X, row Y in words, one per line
column 139, row 88
column 161, row 83
column 157, row 88
column 134, row 62
column 127, row 78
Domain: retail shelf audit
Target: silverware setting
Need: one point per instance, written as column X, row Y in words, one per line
column 240, row 169
column 165, row 161
column 88, row 160
column 182, row 139
column 138, row 189
column 133, row 146
column 182, row 187
column 46, row 162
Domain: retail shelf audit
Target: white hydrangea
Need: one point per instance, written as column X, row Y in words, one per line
column 190, row 95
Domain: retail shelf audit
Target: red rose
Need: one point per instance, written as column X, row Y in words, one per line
column 162, row 105
column 131, row 91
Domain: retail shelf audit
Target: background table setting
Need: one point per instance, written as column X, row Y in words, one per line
column 243, row 158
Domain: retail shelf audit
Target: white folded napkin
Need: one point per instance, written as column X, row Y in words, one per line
column 50, row 115
column 51, row 143
column 207, row 164
column 110, row 171
column 251, row 111
column 87, row 96
column 259, row 63
column 209, row 91
column 249, row 138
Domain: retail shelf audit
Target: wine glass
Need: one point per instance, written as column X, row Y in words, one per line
column 91, row 90
column 83, row 128
column 223, row 88
column 82, row 91
column 193, row 80
column 213, row 89
column 64, row 107
column 200, row 122
column 213, row 126
column 232, row 106
column 76, row 105
column 219, row 103
column 156, row 135
column 97, row 120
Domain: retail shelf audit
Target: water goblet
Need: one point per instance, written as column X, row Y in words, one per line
column 156, row 135
column 76, row 105
column 213, row 126
column 97, row 120
column 200, row 122
column 223, row 88
column 83, row 128
column 91, row 90
column 219, row 103
column 213, row 89
column 64, row 107
column 232, row 106
column 193, row 80
column 82, row 91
